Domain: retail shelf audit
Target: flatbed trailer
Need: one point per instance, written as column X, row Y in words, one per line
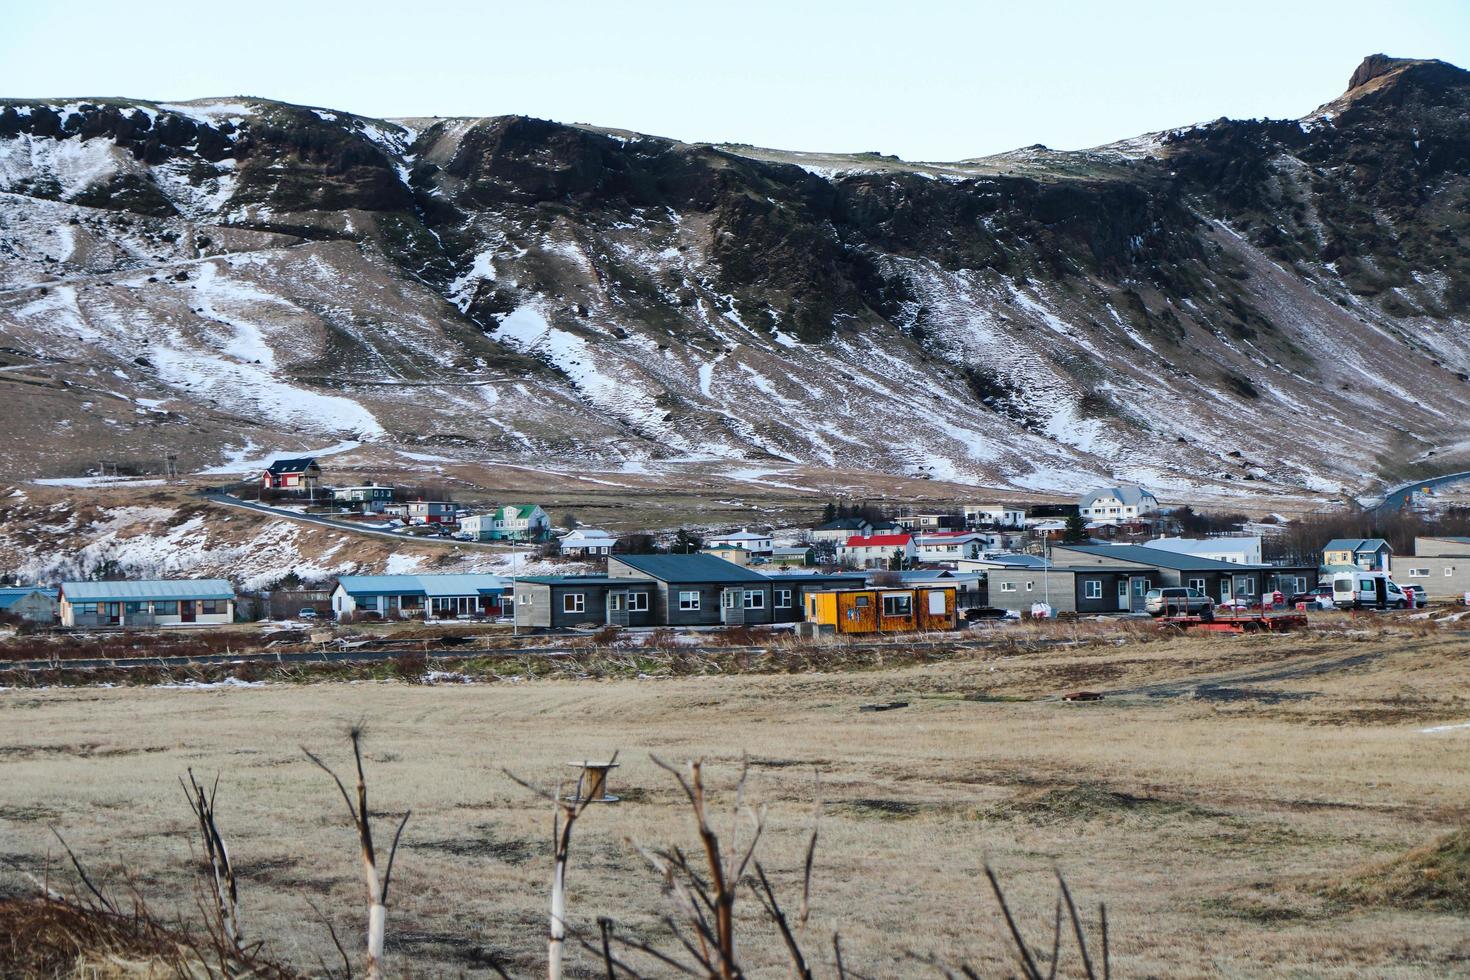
column 1236, row 623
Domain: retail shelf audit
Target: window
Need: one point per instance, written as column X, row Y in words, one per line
column 1418, row 573
column 783, row 598
column 1092, row 589
column 135, row 608
column 574, row 602
column 1008, row 586
column 169, row 607
column 637, row 602
column 754, row 599
column 1122, row 588
column 861, row 602
column 211, row 607
column 688, row 601
column 1030, row 586
column 524, row 598
column 1449, row 570
column 898, row 605
column 1197, row 584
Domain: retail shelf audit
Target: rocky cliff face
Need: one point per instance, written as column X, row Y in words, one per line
column 1265, row 304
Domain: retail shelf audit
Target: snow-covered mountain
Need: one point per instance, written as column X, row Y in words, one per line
column 1283, row 302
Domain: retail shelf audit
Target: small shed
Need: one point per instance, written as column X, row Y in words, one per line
column 879, row 610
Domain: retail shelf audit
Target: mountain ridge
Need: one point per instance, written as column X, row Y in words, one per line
column 1032, row 319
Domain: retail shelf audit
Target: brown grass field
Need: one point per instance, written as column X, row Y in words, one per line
column 1231, row 829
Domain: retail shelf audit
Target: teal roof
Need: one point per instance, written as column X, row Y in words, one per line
column 429, row 586
column 166, row 589
column 1355, row 544
column 690, row 568
column 10, row 596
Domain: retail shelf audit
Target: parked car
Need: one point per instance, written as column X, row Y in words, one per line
column 1367, row 589
column 307, row 613
column 1319, row 596
column 1177, row 602
column 1417, row 594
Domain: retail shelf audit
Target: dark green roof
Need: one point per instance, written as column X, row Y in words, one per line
column 1158, row 558
column 690, row 568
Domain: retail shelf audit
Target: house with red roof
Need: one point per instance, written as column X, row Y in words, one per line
column 876, row 550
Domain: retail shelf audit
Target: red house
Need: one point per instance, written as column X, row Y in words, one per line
column 292, row 474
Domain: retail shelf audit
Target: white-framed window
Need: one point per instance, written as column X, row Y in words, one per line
column 637, row 602
column 783, row 598
column 1197, row 584
column 1008, row 586
column 755, row 599
column 1092, row 588
column 898, row 604
column 574, row 602
column 688, row 601
column 1418, row 573
column 524, row 598
column 1030, row 586
column 1122, row 588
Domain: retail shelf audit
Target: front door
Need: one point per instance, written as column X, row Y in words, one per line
column 732, row 607
column 617, row 609
column 186, row 611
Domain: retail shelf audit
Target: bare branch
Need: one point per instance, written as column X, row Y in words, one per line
column 1076, row 927
column 1028, row 965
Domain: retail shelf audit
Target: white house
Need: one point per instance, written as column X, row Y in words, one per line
column 877, row 550
column 1120, row 503
column 1237, row 549
column 521, row 522
column 587, row 541
column 936, row 546
column 994, row 515
column 744, row 539
column 200, row 602
column 477, row 527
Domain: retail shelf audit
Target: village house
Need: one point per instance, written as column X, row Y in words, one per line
column 30, row 603
column 1441, row 565
column 948, row 546
column 302, row 475
column 876, row 551
column 970, row 587
column 588, row 542
column 431, row 512
column 1118, row 503
column 521, row 522
column 419, row 596
column 994, row 515
column 930, row 522
column 730, row 553
column 1151, row 568
column 840, row 530
column 1242, row 549
column 794, row 557
column 745, row 539
column 700, row 590
column 369, row 498
column 170, row 602
column 1373, row 554
column 556, row 602
column 1095, row 588
column 476, row 527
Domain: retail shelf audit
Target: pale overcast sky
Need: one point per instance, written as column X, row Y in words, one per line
column 934, row 81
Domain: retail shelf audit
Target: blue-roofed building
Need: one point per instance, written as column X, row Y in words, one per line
column 420, row 596
column 31, row 603
column 159, row 602
column 702, row 590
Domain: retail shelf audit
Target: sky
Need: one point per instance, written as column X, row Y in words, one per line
column 934, row 81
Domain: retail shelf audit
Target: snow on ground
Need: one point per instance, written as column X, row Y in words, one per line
column 245, row 460
column 97, row 481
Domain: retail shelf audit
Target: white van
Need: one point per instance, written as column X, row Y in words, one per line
column 1363, row 589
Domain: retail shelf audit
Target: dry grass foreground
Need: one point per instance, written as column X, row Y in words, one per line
column 1232, row 803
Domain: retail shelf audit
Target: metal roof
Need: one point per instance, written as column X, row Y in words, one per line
column 1158, row 558
column 878, row 540
column 1355, row 544
column 1127, row 495
column 689, row 568
column 429, row 586
column 198, row 588
column 298, row 465
column 583, row 580
column 10, row 596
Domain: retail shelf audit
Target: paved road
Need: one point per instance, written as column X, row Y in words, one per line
column 1394, row 499
column 223, row 499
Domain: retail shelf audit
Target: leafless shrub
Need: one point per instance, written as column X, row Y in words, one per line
column 377, row 888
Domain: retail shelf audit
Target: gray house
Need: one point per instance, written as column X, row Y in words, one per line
column 1151, row 568
column 702, row 590
column 1096, row 588
column 1441, row 565
column 561, row 601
